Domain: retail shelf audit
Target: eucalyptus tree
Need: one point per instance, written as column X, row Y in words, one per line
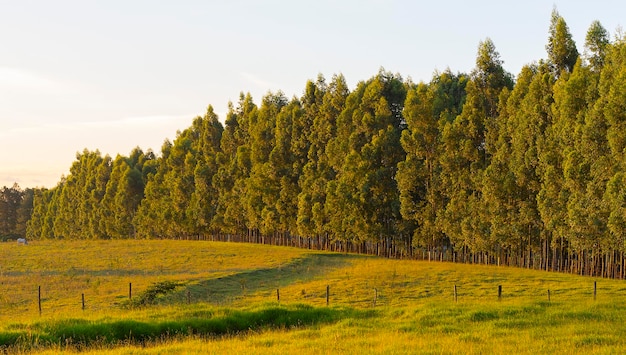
column 78, row 210
column 233, row 167
column 203, row 200
column 261, row 190
column 124, row 192
column 507, row 178
column 325, row 103
column 287, row 160
column 362, row 201
column 561, row 48
column 154, row 212
column 596, row 45
column 612, row 107
column 427, row 109
column 179, row 198
column 584, row 151
column 465, row 151
column 36, row 224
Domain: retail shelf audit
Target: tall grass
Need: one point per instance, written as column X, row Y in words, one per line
column 79, row 334
column 376, row 305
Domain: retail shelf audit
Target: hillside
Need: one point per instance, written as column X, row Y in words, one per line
column 227, row 299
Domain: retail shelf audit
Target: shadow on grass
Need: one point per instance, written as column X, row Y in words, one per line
column 81, row 334
column 223, row 289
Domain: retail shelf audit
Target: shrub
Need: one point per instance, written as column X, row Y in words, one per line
column 153, row 292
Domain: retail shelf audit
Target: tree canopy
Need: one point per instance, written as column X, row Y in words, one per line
column 526, row 170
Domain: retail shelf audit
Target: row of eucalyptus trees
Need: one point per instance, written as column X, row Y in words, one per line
column 479, row 167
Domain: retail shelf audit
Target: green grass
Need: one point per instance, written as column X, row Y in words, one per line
column 103, row 270
column 223, row 300
column 83, row 333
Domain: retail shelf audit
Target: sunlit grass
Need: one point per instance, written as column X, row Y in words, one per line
column 103, row 270
column 375, row 305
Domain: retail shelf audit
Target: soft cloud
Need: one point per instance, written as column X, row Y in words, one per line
column 20, row 79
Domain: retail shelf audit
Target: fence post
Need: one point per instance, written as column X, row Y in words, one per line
column 375, row 296
column 595, row 289
column 456, row 300
column 130, row 290
column 499, row 292
column 327, row 294
column 277, row 295
column 548, row 295
column 39, row 299
column 83, row 299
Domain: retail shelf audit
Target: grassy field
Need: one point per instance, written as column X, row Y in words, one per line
column 226, row 301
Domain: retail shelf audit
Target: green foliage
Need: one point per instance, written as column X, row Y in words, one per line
column 596, row 45
column 362, row 200
column 84, row 334
column 561, row 47
column 16, row 207
column 317, row 172
column 427, row 110
column 529, row 170
column 468, row 142
column 153, row 292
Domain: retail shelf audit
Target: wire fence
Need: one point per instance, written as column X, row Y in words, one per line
column 395, row 293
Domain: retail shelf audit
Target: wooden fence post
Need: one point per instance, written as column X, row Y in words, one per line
column 39, row 299
column 499, row 292
column 548, row 295
column 130, row 290
column 595, row 290
column 375, row 296
column 83, row 299
column 327, row 294
column 277, row 295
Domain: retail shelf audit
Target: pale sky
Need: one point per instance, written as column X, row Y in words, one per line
column 112, row 74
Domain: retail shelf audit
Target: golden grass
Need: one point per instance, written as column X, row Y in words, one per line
column 103, row 270
column 410, row 304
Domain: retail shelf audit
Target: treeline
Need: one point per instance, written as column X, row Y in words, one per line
column 15, row 210
column 478, row 167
